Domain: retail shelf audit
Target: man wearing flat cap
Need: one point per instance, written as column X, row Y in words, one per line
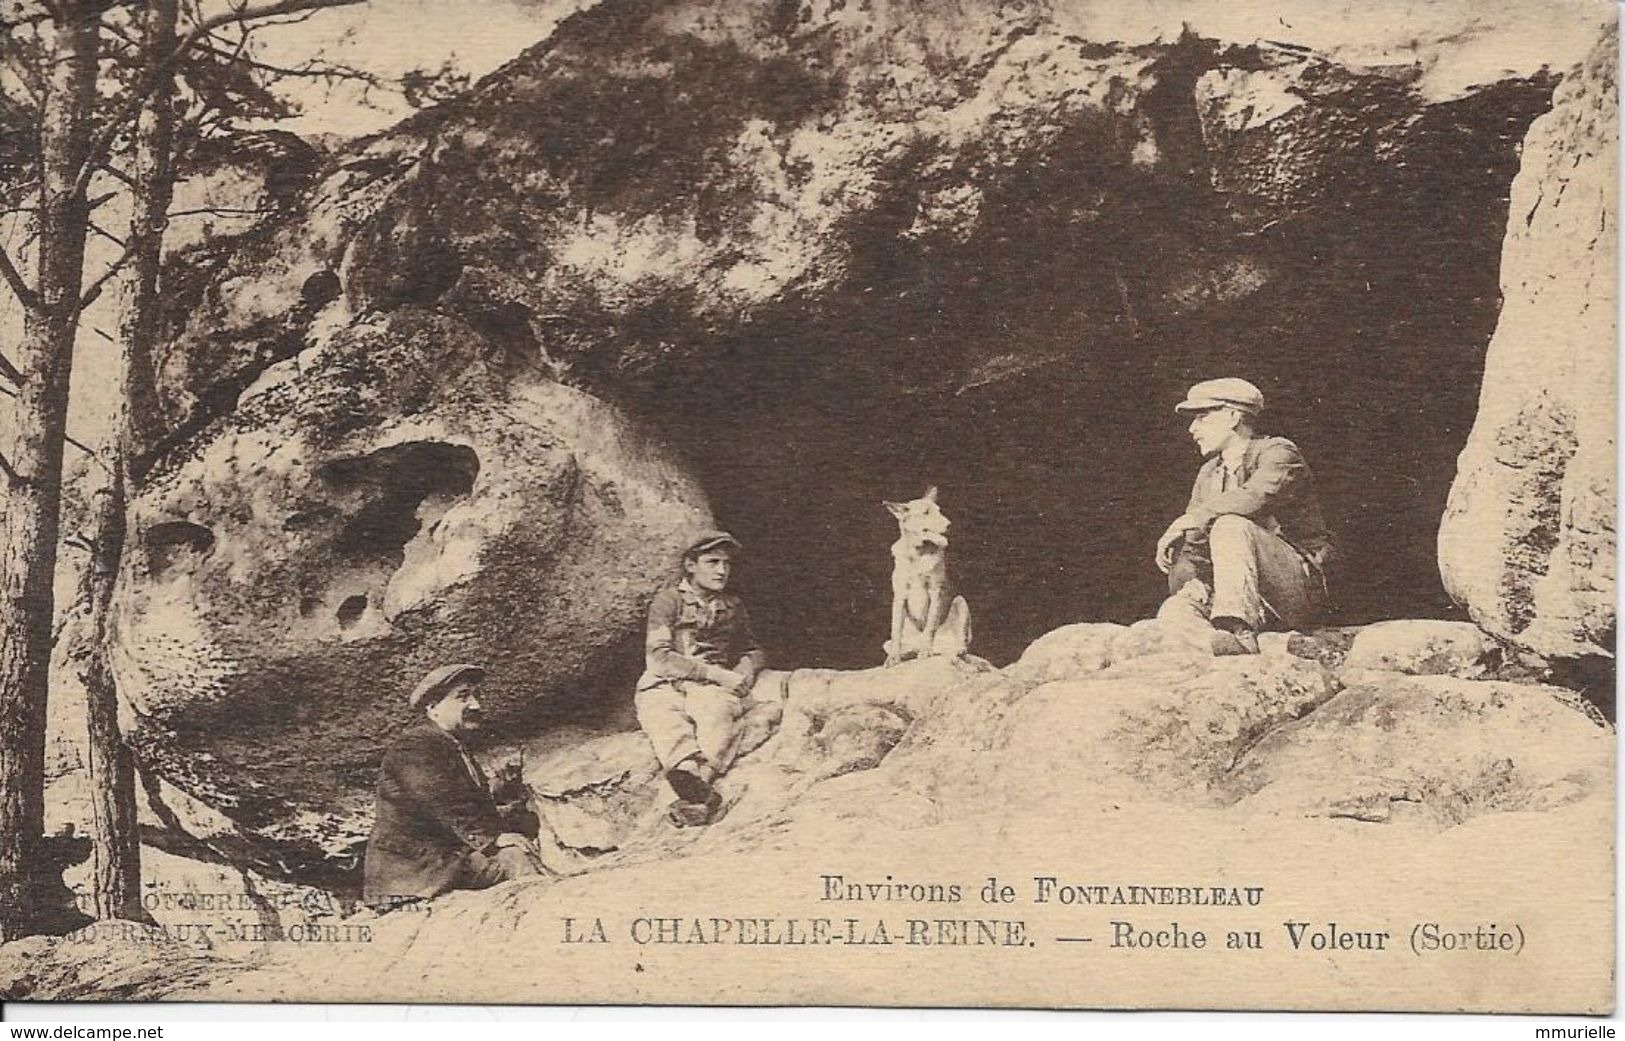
column 438, row 826
column 700, row 662
column 1253, row 534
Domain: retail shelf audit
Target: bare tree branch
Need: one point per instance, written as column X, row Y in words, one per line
column 222, row 211
column 315, row 68
column 295, row 19
column 69, row 438
column 96, row 287
column 10, row 471
column 117, row 175
column 10, row 371
column 28, row 78
column 14, row 279
column 104, row 233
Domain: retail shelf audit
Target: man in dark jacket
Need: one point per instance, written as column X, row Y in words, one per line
column 438, row 827
column 1253, row 533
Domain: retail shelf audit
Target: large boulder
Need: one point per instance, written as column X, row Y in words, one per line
column 1425, row 648
column 1171, row 728
column 386, row 506
column 1528, row 539
column 1435, row 748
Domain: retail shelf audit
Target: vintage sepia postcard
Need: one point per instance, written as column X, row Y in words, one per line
column 1044, row 503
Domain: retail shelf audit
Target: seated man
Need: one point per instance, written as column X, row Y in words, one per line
column 438, row 827
column 701, row 661
column 1253, row 534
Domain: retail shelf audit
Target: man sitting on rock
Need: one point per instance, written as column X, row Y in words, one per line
column 701, row 660
column 438, row 826
column 1251, row 546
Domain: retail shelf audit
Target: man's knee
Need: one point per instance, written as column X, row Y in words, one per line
column 478, row 872
column 657, row 700
column 661, row 711
column 513, row 862
column 1231, row 531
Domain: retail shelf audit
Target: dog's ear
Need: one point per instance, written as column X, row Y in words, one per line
column 930, row 494
column 897, row 509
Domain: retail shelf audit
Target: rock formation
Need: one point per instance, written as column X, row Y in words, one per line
column 832, row 255
column 1113, row 731
column 1528, row 539
column 375, row 507
column 771, row 263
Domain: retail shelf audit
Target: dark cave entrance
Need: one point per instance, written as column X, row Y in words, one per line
column 1031, row 372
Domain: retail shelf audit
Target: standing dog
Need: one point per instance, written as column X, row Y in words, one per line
column 926, row 617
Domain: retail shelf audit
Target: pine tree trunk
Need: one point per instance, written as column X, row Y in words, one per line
column 33, row 447
column 116, row 892
column 154, row 191
column 112, row 766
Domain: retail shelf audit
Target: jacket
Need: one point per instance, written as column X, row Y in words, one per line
column 1275, row 490
column 691, row 636
column 432, row 813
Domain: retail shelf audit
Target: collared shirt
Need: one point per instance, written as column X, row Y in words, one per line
column 1272, row 486
column 1231, row 463
column 691, row 635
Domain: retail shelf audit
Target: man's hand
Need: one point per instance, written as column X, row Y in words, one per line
column 735, row 682
column 508, row 785
column 1170, row 539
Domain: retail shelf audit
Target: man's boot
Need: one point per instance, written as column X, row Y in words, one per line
column 689, row 780
column 694, row 814
column 1233, row 636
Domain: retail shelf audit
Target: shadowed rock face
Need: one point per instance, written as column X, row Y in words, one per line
column 833, row 256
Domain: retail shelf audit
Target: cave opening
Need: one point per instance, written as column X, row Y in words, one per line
column 1030, row 372
column 391, row 485
column 172, row 545
column 350, row 611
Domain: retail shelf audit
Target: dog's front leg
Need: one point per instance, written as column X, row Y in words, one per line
column 894, row 646
column 933, row 620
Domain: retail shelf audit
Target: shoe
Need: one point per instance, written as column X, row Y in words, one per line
column 1233, row 638
column 686, row 814
column 689, row 786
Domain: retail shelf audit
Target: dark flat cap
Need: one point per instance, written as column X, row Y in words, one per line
column 434, row 686
column 709, row 540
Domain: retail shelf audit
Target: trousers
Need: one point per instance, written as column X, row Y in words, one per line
column 1256, row 576
column 687, row 717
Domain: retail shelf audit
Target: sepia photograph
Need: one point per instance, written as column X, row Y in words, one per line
column 892, row 503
